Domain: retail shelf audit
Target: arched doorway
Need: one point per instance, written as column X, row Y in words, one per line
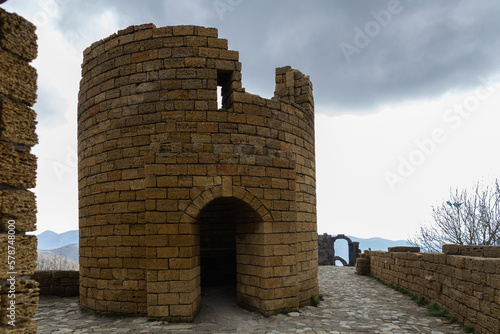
column 353, row 251
column 227, row 227
column 340, row 252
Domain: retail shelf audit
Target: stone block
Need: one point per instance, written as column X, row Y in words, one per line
column 17, row 79
column 491, row 251
column 18, row 167
column 26, row 301
column 25, row 327
column 229, row 55
column 17, row 35
column 184, row 30
column 218, row 43
column 25, row 255
column 208, row 32
column 209, row 52
column 20, row 206
column 468, row 250
column 17, row 124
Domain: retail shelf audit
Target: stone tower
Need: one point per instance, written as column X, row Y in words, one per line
column 176, row 193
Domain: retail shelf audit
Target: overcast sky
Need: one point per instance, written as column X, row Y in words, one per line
column 407, row 94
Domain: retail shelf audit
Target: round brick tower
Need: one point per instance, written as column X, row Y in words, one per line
column 176, row 193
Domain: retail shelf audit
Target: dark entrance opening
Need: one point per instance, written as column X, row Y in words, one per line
column 228, row 244
column 218, row 243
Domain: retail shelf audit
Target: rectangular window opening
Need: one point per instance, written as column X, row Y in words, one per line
column 223, row 87
column 219, row 97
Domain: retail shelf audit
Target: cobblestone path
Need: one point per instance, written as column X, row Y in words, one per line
column 352, row 304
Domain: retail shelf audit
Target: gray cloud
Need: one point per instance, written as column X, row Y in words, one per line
column 425, row 50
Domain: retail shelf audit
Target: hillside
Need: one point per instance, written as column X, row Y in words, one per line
column 378, row 243
column 66, row 244
column 69, row 252
column 53, row 240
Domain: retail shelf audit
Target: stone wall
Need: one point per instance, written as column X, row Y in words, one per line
column 464, row 280
column 18, row 174
column 326, row 250
column 326, row 253
column 63, row 283
column 170, row 183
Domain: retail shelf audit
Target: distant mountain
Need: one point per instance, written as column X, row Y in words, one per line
column 53, row 240
column 69, row 252
column 378, row 243
column 66, row 244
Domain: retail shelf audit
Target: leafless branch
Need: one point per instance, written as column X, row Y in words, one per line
column 468, row 218
column 46, row 262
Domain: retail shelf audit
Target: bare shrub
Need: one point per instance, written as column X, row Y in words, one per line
column 468, row 218
column 46, row 262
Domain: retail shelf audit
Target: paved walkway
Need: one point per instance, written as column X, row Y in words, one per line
column 352, row 304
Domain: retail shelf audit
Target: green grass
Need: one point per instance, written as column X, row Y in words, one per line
column 468, row 329
column 436, row 311
column 419, row 300
column 401, row 290
column 315, row 300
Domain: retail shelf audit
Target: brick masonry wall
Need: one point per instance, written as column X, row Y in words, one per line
column 154, row 150
column 63, row 283
column 466, row 286
column 18, row 173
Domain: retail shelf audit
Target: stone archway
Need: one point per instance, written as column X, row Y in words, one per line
column 338, row 258
column 193, row 210
column 229, row 223
column 353, row 250
column 227, row 232
column 326, row 250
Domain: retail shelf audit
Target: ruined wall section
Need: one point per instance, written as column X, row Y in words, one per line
column 18, row 174
column 464, row 280
column 294, row 90
column 154, row 149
